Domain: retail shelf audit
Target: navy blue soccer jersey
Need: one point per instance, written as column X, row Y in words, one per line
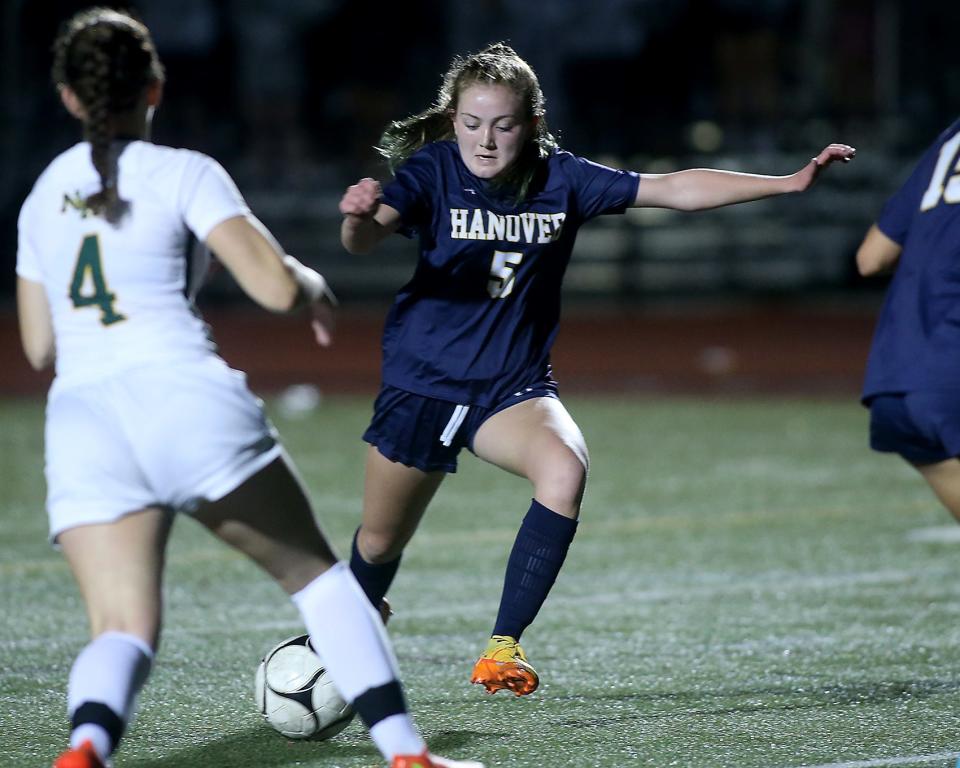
column 916, row 345
column 477, row 320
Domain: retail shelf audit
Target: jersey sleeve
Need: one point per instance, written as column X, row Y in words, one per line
column 897, row 213
column 28, row 260
column 208, row 196
column 410, row 192
column 599, row 189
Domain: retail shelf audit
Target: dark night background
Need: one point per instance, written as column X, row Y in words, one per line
column 290, row 95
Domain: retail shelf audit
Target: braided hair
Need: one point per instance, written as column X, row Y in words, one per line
column 497, row 64
column 107, row 58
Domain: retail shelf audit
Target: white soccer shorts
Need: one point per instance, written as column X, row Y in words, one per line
column 168, row 436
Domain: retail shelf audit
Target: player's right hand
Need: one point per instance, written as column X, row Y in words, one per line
column 361, row 199
column 323, row 317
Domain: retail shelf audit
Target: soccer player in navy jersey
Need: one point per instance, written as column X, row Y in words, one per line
column 466, row 350
column 913, row 372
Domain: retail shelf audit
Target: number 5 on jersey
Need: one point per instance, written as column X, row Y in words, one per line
column 503, row 273
column 88, row 287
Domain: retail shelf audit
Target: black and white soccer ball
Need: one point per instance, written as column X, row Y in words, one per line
column 295, row 694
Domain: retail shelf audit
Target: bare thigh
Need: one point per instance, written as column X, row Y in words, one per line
column 270, row 519
column 944, row 478
column 395, row 498
column 537, row 439
column 119, row 570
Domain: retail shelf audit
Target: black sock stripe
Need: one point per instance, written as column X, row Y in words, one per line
column 95, row 713
column 376, row 704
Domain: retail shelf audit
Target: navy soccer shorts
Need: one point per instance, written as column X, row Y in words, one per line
column 923, row 427
column 428, row 434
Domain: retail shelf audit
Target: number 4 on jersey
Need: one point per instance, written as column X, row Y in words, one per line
column 88, row 288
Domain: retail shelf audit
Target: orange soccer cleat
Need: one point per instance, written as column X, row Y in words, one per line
column 503, row 665
column 84, row 756
column 426, row 760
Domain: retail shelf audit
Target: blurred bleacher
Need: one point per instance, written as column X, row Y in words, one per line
column 291, row 95
column 776, row 246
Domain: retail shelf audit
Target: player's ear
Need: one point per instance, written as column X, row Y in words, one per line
column 72, row 102
column 155, row 93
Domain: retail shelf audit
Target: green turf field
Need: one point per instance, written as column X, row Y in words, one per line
column 750, row 587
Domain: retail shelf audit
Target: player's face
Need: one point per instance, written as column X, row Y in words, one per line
column 490, row 128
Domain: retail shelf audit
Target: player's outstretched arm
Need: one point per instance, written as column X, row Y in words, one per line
column 366, row 221
column 877, row 254
column 702, row 188
column 36, row 324
column 274, row 280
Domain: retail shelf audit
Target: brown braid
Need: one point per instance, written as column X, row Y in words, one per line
column 107, row 58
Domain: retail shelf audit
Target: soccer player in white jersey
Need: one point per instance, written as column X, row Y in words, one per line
column 143, row 418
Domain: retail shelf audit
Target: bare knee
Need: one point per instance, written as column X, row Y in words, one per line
column 379, row 547
column 559, row 483
column 292, row 557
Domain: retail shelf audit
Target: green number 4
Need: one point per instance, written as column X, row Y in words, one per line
column 88, row 276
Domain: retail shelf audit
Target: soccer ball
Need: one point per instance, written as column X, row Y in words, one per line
column 295, row 694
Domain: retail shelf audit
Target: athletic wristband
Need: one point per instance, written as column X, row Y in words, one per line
column 312, row 284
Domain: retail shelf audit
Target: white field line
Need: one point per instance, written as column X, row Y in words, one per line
column 936, row 534
column 763, row 584
column 939, row 534
column 884, row 761
column 751, row 586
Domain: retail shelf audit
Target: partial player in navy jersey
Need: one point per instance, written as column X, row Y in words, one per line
column 496, row 206
column 912, row 384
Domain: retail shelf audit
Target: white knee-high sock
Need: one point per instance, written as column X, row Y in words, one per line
column 104, row 682
column 349, row 636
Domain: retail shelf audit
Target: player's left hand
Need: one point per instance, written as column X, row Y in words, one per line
column 362, row 199
column 831, row 154
column 323, row 319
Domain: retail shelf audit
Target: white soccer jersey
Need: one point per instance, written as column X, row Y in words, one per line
column 122, row 296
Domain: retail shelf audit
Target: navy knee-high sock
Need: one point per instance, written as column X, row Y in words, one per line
column 375, row 578
column 535, row 560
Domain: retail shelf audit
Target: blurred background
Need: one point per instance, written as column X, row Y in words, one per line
column 291, row 96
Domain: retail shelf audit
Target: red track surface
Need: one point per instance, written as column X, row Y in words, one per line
column 724, row 351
